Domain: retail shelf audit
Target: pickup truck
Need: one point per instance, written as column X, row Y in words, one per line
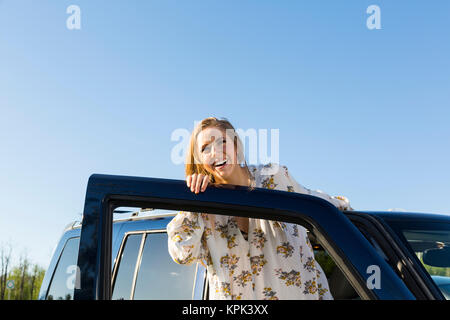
column 365, row 255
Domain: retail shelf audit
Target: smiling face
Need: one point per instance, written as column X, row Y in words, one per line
column 216, row 151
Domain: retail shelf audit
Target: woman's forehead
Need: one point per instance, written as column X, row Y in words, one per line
column 210, row 134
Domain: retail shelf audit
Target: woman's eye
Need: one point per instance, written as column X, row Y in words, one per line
column 218, row 144
column 206, row 149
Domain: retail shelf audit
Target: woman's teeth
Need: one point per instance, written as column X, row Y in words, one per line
column 220, row 163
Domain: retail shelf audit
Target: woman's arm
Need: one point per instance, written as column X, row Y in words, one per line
column 185, row 231
column 282, row 180
column 185, row 238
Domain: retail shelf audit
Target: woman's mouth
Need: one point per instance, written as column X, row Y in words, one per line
column 220, row 165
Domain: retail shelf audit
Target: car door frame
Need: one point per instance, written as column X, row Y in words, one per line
column 344, row 242
column 399, row 257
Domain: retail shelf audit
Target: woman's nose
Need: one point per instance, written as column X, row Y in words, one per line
column 217, row 152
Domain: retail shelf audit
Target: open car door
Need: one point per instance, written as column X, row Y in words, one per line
column 353, row 254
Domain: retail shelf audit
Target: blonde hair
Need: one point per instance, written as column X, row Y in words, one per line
column 193, row 163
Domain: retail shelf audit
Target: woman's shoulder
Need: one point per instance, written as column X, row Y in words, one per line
column 268, row 175
column 269, row 169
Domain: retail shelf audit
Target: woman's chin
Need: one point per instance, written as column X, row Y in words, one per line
column 224, row 172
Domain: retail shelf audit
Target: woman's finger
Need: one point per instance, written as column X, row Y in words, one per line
column 198, row 183
column 205, row 183
column 193, row 182
column 188, row 181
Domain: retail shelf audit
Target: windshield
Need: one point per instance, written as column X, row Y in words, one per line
column 430, row 242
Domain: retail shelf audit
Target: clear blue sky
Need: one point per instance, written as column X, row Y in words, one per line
column 361, row 113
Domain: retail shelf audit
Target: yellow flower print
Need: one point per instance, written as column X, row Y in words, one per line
column 258, row 238
column 229, row 262
column 291, row 278
column 310, row 264
column 177, row 238
column 295, row 229
column 231, row 241
column 243, row 278
column 257, row 263
column 322, row 291
column 236, row 297
column 207, row 232
column 310, row 287
column 225, row 288
column 269, row 294
column 188, row 226
column 269, row 183
column 189, row 259
column 285, row 249
column 222, row 228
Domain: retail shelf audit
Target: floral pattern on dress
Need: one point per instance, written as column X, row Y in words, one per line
column 291, row 278
column 322, row 291
column 301, row 253
column 285, row 249
column 189, row 226
column 243, row 278
column 310, row 264
column 269, row 183
column 269, row 294
column 231, row 241
column 229, row 262
column 225, row 289
column 257, row 263
column 258, row 238
column 236, row 297
column 222, row 229
column 310, row 287
column 277, row 261
column 295, row 230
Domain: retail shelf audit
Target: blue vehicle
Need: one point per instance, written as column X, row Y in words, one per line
column 113, row 254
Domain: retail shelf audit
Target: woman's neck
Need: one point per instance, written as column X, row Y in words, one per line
column 239, row 177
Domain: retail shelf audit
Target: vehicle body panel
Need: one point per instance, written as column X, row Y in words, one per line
column 101, row 238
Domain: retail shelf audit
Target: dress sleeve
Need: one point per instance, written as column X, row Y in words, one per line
column 185, row 238
column 282, row 180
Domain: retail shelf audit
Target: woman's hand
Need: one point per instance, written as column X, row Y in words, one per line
column 197, row 182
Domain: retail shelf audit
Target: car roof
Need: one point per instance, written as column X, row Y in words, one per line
column 401, row 215
column 385, row 215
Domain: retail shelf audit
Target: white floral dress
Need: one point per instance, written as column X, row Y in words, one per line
column 276, row 260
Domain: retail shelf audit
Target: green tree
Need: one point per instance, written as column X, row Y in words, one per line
column 5, row 259
column 27, row 277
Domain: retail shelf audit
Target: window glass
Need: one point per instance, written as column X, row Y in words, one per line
column 340, row 287
column 127, row 264
column 430, row 243
column 432, row 248
column 272, row 258
column 243, row 248
column 159, row 277
column 63, row 283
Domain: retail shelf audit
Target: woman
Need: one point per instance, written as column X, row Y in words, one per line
column 245, row 258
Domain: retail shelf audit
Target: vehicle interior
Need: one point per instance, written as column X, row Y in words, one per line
column 340, row 287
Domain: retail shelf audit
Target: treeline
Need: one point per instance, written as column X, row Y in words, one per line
column 26, row 276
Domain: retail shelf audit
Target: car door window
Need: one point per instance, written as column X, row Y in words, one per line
column 245, row 252
column 158, row 276
column 123, row 281
column 63, row 283
column 340, row 287
column 430, row 243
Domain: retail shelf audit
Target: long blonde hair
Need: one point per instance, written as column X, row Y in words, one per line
column 193, row 164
